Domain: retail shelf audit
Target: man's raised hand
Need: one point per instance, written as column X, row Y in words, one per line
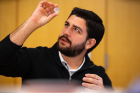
column 44, row 13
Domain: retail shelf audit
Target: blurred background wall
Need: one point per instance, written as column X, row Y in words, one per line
column 120, row 45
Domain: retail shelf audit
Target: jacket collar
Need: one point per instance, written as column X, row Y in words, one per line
column 88, row 63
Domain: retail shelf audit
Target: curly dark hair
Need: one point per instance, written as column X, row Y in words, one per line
column 95, row 27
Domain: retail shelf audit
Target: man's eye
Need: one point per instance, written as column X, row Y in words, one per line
column 66, row 25
column 77, row 30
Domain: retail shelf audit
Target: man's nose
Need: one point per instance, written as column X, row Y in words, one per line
column 67, row 31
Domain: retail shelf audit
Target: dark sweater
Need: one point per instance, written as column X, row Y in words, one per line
column 42, row 63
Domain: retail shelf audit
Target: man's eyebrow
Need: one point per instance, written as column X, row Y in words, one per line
column 66, row 22
column 78, row 27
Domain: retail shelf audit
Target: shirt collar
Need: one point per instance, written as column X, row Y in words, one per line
column 65, row 63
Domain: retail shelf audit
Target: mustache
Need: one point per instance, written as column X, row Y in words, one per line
column 64, row 36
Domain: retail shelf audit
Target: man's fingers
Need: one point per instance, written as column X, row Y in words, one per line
column 48, row 6
column 50, row 9
column 93, row 76
column 92, row 81
column 44, row 13
column 47, row 18
column 55, row 5
column 53, row 15
column 43, row 3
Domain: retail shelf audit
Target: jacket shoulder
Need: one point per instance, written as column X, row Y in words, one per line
column 98, row 70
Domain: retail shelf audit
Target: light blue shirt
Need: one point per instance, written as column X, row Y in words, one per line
column 71, row 71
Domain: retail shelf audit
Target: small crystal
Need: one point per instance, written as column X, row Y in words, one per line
column 56, row 10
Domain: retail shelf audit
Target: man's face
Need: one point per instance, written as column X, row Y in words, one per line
column 72, row 39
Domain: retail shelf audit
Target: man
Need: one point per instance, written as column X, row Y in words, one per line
column 67, row 59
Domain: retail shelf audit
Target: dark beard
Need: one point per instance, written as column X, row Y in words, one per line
column 71, row 51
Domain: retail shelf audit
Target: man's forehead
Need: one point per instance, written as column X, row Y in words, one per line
column 78, row 21
column 74, row 17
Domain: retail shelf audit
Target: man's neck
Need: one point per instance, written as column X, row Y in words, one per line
column 74, row 62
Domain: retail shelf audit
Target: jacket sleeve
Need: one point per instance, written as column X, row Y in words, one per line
column 106, row 80
column 14, row 62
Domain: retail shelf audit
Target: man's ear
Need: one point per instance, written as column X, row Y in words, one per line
column 90, row 43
